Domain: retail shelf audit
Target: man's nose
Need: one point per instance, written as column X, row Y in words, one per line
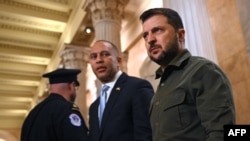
column 99, row 59
column 151, row 39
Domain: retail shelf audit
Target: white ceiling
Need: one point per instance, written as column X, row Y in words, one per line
column 32, row 35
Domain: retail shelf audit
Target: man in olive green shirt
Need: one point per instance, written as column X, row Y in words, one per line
column 194, row 99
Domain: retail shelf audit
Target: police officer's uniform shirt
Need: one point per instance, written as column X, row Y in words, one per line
column 54, row 119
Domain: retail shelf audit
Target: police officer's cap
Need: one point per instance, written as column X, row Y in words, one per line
column 63, row 76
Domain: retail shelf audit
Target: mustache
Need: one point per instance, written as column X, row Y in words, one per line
column 154, row 46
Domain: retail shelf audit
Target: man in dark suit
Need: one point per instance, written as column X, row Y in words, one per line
column 125, row 116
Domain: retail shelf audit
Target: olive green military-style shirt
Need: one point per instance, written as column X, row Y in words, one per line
column 193, row 101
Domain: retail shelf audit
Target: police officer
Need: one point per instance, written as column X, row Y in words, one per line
column 56, row 118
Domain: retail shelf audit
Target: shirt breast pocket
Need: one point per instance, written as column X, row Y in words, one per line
column 177, row 110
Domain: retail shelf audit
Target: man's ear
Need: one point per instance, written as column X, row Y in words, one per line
column 181, row 35
column 71, row 86
column 119, row 60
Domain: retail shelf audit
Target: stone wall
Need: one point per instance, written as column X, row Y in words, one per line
column 231, row 47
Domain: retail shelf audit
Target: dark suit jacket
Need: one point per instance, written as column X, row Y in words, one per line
column 126, row 115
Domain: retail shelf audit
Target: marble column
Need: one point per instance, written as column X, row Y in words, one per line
column 194, row 14
column 76, row 57
column 106, row 17
column 243, row 10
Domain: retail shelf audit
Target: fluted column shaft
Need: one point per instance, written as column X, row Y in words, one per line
column 106, row 16
column 75, row 57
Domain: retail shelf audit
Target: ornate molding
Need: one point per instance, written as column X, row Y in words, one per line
column 19, row 49
column 51, row 26
column 24, row 59
column 75, row 57
column 29, row 30
column 36, row 8
column 27, row 44
column 107, row 9
column 65, row 2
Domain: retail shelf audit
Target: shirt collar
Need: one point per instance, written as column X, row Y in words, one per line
column 175, row 63
column 112, row 83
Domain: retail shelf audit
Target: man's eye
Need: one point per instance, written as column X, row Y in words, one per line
column 158, row 29
column 105, row 54
column 93, row 56
column 144, row 36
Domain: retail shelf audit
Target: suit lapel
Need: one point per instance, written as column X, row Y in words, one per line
column 115, row 93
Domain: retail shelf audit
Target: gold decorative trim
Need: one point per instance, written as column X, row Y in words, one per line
column 30, row 50
column 28, row 44
column 54, row 27
column 35, row 8
column 24, row 59
column 29, row 30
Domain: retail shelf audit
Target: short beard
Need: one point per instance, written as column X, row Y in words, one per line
column 167, row 55
column 72, row 97
column 108, row 77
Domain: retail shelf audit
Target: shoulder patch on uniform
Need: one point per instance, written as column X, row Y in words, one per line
column 75, row 119
column 75, row 107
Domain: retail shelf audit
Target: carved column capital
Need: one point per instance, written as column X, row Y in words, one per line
column 75, row 57
column 107, row 9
